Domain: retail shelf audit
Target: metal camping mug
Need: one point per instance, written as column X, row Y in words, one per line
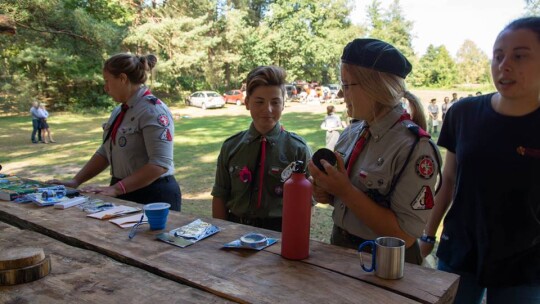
column 388, row 258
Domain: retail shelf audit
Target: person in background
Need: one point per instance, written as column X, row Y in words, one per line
column 454, row 99
column 444, row 107
column 137, row 140
column 332, row 124
column 45, row 125
column 386, row 170
column 433, row 116
column 248, row 188
column 491, row 179
column 36, row 126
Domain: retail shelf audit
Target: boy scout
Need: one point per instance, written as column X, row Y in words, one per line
column 248, row 188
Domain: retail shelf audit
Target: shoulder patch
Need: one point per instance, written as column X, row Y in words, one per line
column 424, row 199
column 425, row 166
column 163, row 120
column 166, row 135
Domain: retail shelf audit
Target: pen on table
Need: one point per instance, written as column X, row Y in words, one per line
column 134, row 228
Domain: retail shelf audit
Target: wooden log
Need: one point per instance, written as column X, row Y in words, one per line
column 20, row 257
column 25, row 274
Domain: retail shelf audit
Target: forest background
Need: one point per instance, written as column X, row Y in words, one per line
column 60, row 46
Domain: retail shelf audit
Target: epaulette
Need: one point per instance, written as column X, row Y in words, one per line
column 298, row 137
column 415, row 129
column 153, row 99
column 234, row 136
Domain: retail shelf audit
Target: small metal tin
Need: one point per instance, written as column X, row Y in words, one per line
column 253, row 240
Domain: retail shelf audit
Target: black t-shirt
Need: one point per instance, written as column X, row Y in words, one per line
column 493, row 226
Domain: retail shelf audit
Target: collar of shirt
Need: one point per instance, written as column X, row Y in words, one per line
column 137, row 96
column 271, row 137
column 380, row 127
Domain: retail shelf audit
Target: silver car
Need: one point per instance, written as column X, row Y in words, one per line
column 206, row 100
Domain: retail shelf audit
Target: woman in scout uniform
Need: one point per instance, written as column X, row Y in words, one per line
column 137, row 139
column 387, row 166
column 248, row 188
column 491, row 183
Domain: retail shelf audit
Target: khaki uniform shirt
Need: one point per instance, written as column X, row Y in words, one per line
column 380, row 161
column 145, row 136
column 241, row 152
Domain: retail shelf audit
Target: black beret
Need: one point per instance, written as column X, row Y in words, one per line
column 377, row 55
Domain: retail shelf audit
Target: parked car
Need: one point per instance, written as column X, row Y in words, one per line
column 206, row 100
column 334, row 89
column 292, row 91
column 234, row 96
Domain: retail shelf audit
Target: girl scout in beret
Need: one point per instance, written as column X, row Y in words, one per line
column 137, row 139
column 248, row 188
column 387, row 166
column 491, row 234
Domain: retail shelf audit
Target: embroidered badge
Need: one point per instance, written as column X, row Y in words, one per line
column 534, row 153
column 424, row 199
column 275, row 170
column 425, row 166
column 122, row 141
column 278, row 190
column 166, row 135
column 245, row 175
column 163, row 120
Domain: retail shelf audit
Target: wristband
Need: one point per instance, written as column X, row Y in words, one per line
column 122, row 187
column 428, row 239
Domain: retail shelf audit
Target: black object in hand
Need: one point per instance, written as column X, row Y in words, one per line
column 72, row 193
column 325, row 154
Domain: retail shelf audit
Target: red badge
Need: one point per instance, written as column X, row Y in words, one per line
column 163, row 120
column 166, row 135
column 425, row 166
column 424, row 199
column 245, row 175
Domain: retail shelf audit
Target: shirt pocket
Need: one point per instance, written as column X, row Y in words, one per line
column 127, row 135
column 241, row 177
column 274, row 183
column 376, row 185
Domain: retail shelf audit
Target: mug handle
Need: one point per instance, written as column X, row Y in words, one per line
column 373, row 248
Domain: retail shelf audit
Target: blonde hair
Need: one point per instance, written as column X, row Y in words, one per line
column 266, row 76
column 386, row 90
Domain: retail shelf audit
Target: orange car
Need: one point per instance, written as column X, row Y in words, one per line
column 234, row 96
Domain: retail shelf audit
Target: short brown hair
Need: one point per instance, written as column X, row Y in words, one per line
column 266, row 76
column 135, row 67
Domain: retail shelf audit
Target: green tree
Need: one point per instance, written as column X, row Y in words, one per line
column 472, row 64
column 437, row 68
column 532, row 8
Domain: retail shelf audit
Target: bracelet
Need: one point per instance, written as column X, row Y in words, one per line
column 428, row 239
column 122, row 187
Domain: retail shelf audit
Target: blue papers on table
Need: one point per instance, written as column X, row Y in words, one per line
column 188, row 234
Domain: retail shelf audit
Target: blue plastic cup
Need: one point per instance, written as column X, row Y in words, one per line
column 157, row 215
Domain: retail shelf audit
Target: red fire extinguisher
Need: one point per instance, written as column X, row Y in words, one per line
column 297, row 192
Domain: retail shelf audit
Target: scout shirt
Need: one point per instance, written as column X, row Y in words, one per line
column 237, row 170
column 145, row 136
column 380, row 161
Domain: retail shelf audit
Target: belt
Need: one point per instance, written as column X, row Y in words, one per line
column 351, row 237
column 115, row 180
column 257, row 222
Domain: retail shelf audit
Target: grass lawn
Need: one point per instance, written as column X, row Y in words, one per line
column 198, row 138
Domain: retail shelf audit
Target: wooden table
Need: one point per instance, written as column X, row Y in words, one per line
column 330, row 275
column 83, row 276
